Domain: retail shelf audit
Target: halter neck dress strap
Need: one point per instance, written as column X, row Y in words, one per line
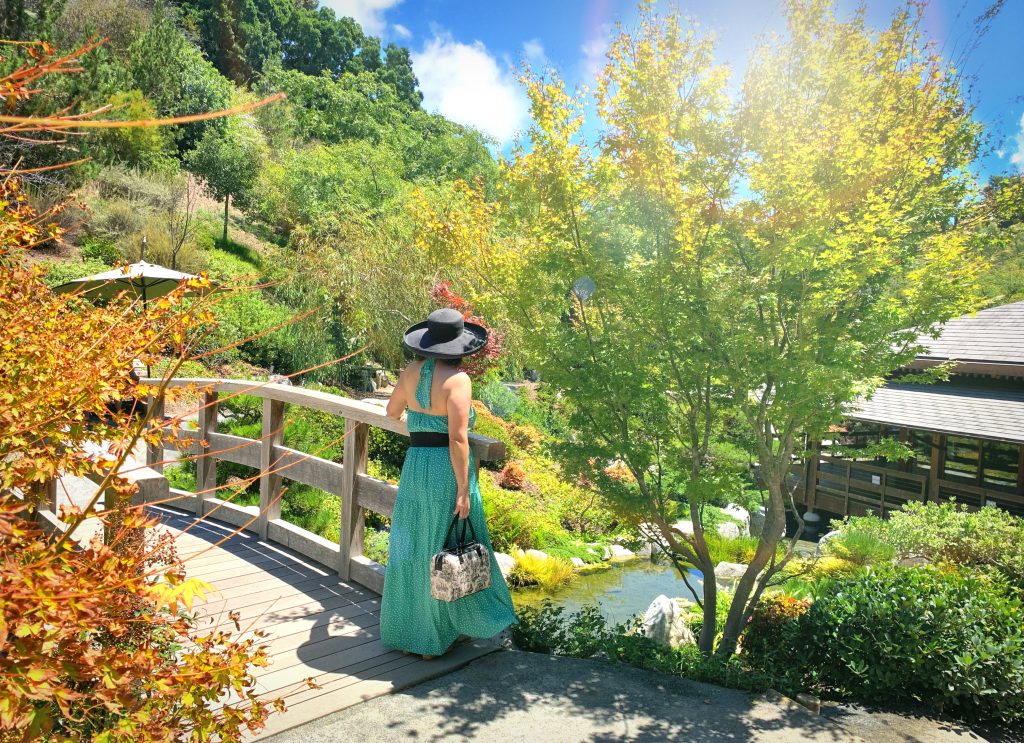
column 424, row 384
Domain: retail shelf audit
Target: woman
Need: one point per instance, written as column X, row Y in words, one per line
column 438, row 482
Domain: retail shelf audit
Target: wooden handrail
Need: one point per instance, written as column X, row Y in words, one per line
column 348, row 480
column 486, row 449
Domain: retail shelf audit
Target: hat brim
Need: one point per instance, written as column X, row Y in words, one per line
column 472, row 340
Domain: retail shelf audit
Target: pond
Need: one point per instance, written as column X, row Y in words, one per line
column 622, row 590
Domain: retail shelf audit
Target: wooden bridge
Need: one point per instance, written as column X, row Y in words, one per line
column 317, row 600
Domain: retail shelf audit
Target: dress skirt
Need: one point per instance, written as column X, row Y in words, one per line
column 410, row 618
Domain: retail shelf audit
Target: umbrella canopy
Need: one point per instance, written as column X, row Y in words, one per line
column 147, row 280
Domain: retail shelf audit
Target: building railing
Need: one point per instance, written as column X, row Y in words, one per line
column 849, row 487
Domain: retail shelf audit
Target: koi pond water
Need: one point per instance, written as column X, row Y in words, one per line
column 621, row 590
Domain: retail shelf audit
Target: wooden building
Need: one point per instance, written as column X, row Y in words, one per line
column 967, row 434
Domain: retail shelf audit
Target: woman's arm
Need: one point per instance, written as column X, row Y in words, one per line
column 397, row 401
column 460, row 396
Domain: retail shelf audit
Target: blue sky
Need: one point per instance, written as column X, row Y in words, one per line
column 465, row 51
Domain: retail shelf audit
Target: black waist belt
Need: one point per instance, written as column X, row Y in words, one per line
column 428, row 438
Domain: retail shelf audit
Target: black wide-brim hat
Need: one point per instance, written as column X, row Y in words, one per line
column 445, row 334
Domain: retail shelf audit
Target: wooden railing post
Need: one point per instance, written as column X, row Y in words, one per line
column 155, row 452
column 811, row 476
column 270, row 482
column 206, row 462
column 933, row 472
column 353, row 464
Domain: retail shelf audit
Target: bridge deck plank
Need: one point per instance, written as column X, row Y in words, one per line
column 317, row 625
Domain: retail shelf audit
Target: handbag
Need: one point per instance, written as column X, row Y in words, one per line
column 462, row 569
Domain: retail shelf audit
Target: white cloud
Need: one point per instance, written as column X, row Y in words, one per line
column 466, row 84
column 1017, row 156
column 533, row 50
column 401, row 31
column 593, row 53
column 368, row 13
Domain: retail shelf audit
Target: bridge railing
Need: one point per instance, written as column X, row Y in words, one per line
column 357, row 491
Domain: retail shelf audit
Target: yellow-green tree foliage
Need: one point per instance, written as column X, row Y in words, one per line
column 769, row 254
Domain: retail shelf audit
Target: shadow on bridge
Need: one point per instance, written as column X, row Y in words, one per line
column 317, row 626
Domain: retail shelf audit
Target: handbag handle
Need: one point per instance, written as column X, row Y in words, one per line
column 460, row 539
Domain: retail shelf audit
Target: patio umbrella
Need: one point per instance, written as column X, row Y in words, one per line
column 145, row 280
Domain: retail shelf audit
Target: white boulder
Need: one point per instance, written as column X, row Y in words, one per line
column 728, row 574
column 757, row 522
column 540, row 555
column 729, row 529
column 618, row 552
column 825, row 540
column 577, row 562
column 505, row 563
column 685, row 526
column 730, row 570
column 740, row 514
column 665, row 623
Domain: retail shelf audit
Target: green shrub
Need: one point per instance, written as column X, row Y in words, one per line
column 687, row 661
column 387, row 448
column 533, row 570
column 181, row 476
column 860, row 548
column 490, row 426
column 948, row 533
column 315, row 432
column 58, row 273
column 578, row 510
column 375, row 545
column 549, row 630
column 950, row 641
column 770, row 626
column 101, row 249
column 737, row 549
column 312, row 509
column 695, row 617
column 244, row 409
column 499, row 399
column 586, row 633
column 246, row 317
column 509, row 516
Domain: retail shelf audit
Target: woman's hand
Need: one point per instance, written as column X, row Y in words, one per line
column 462, row 504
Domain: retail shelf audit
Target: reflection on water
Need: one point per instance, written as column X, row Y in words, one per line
column 624, row 589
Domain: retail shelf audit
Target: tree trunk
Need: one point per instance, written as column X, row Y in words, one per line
column 227, row 201
column 706, row 641
column 774, row 522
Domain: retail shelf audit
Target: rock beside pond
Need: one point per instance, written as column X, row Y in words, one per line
column 577, row 562
column 825, row 540
column 540, row 555
column 730, row 570
column 740, row 514
column 505, row 563
column 665, row 622
column 728, row 574
column 685, row 526
column 757, row 519
column 729, row 529
column 618, row 552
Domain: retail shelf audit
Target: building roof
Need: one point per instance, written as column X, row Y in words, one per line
column 940, row 408
column 992, row 336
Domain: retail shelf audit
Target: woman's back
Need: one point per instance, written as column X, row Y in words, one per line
column 427, row 386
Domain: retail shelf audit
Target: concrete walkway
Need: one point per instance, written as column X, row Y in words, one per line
column 526, row 697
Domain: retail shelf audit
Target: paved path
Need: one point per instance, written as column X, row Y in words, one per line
column 516, row 697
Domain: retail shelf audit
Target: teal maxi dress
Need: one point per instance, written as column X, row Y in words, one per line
column 410, row 618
